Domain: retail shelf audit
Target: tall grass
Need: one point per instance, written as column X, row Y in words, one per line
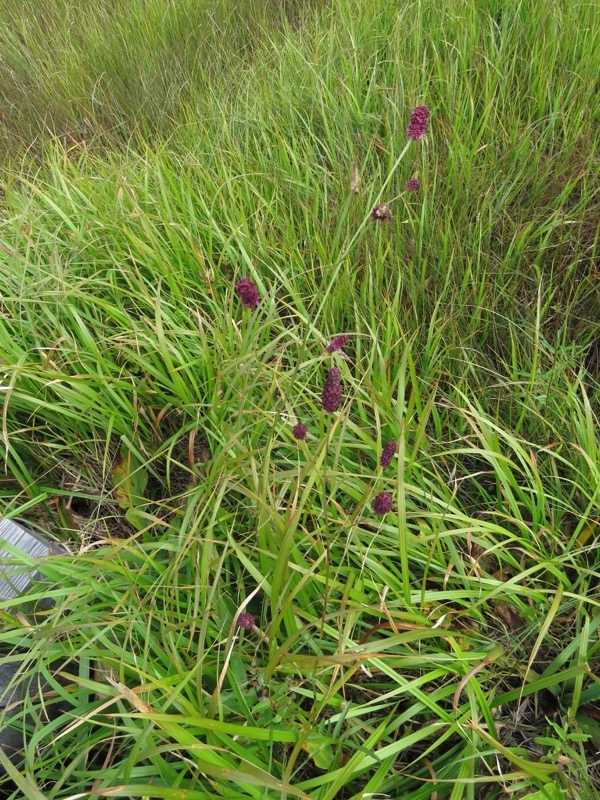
column 448, row 649
column 93, row 71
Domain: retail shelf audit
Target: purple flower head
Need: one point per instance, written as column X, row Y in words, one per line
column 383, row 503
column 380, row 213
column 418, row 123
column 388, row 454
column 299, row 431
column 413, row 185
column 337, row 343
column 247, row 292
column 246, row 621
column 332, row 390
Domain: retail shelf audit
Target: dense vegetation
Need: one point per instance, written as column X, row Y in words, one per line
column 235, row 619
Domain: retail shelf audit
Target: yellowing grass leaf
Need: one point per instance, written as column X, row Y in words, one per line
column 319, row 749
column 587, row 533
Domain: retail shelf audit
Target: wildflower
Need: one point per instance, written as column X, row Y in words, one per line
column 383, row 503
column 247, row 292
column 413, row 185
column 246, row 621
column 388, row 454
column 380, row 213
column 332, row 390
column 418, row 123
column 337, row 343
column 299, row 431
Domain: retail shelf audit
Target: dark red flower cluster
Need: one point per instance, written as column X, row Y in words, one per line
column 418, row 123
column 388, row 454
column 380, row 213
column 413, row 185
column 246, row 621
column 247, row 292
column 331, row 398
column 299, row 431
column 383, row 503
column 337, row 343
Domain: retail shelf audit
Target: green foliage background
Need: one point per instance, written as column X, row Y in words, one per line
column 154, row 153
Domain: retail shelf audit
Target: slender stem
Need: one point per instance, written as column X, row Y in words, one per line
column 360, row 229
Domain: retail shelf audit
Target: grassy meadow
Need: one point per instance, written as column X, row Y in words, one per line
column 152, row 154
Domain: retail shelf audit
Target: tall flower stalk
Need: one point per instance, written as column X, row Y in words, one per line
column 416, row 131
